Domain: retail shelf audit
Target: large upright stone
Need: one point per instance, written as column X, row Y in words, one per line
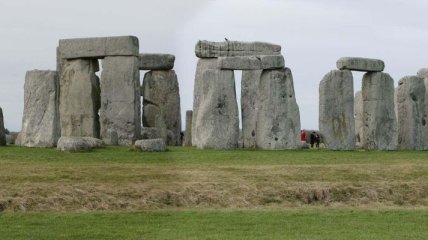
column 249, row 104
column 98, row 47
column 202, row 66
column 336, row 110
column 188, row 133
column 79, row 98
column 156, row 61
column 120, row 99
column 251, row 62
column 217, row 122
column 360, row 64
column 207, row 49
column 278, row 117
column 161, row 105
column 423, row 73
column 410, row 100
column 2, row 130
column 358, row 116
column 40, row 121
column 379, row 120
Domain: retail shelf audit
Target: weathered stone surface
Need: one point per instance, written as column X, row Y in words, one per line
column 217, row 122
column 278, row 116
column 358, row 116
column 40, row 122
column 120, row 99
column 79, row 98
column 2, row 130
column 360, row 64
column 99, row 47
column 410, row 100
column 207, row 49
column 251, row 62
column 379, row 119
column 151, row 145
column 156, row 61
column 202, row 66
column 425, row 116
column 78, row 144
column 423, row 73
column 336, row 112
column 150, row 133
column 249, row 104
column 161, row 105
column 188, row 132
column 111, row 138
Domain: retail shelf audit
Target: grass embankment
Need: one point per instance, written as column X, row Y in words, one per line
column 116, row 179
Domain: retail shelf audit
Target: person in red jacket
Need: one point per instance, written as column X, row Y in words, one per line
column 303, row 136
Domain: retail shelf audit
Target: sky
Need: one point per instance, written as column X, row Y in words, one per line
column 313, row 35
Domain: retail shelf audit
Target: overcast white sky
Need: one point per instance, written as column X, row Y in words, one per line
column 313, row 35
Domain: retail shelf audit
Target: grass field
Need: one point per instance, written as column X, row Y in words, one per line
column 185, row 193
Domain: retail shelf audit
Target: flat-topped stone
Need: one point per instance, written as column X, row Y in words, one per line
column 207, row 49
column 78, row 144
column 251, row 62
column 423, row 73
column 360, row 64
column 156, row 61
column 151, row 145
column 98, row 47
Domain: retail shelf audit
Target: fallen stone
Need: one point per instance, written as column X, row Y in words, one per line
column 217, row 122
column 358, row 116
column 360, row 64
column 423, row 73
column 78, row 144
column 207, row 49
column 120, row 99
column 379, row 119
column 202, row 66
column 156, row 61
column 336, row 111
column 2, row 130
column 161, row 105
column 151, row 145
column 251, row 62
column 98, row 47
column 40, row 121
column 188, row 132
column 79, row 98
column 410, row 100
column 249, row 104
column 150, row 133
column 278, row 116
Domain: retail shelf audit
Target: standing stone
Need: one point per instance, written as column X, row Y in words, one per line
column 249, row 104
column 217, row 122
column 2, row 130
column 410, row 100
column 336, row 112
column 79, row 98
column 379, row 120
column 120, row 99
column 202, row 66
column 358, row 115
column 188, row 133
column 40, row 121
column 423, row 73
column 161, row 105
column 278, row 117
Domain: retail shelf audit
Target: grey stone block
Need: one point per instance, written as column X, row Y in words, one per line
column 151, row 145
column 98, row 47
column 188, row 132
column 251, row 62
column 423, row 73
column 207, row 49
column 78, row 144
column 360, row 64
column 2, row 130
column 156, row 61
column 249, row 105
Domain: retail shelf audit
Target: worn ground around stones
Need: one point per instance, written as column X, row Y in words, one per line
column 116, row 182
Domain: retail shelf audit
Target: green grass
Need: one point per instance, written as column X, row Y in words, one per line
column 304, row 224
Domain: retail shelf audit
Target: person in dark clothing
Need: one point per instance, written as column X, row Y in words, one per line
column 317, row 140
column 312, row 139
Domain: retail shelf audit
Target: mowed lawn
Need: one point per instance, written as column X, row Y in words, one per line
column 185, row 193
